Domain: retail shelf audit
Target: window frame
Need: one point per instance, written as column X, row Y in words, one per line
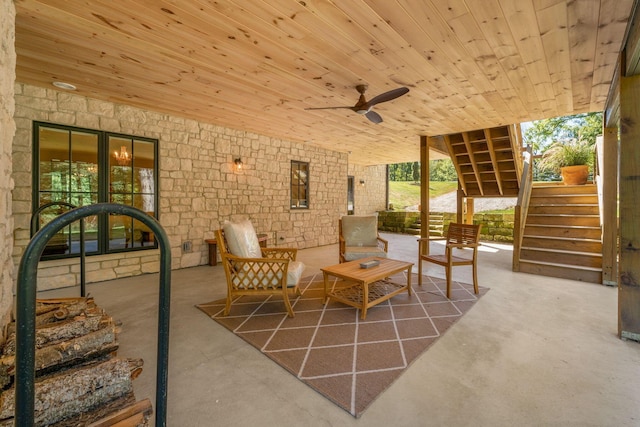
column 103, row 238
column 295, row 186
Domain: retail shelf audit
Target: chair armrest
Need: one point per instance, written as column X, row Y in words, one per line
column 384, row 242
column 463, row 245
column 280, row 253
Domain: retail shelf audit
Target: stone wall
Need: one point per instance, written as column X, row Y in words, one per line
column 372, row 196
column 397, row 221
column 7, row 130
column 495, row 227
column 199, row 188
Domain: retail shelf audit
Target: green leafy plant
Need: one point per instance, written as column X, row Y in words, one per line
column 566, row 153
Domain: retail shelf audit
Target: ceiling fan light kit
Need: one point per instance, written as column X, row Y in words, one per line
column 364, row 107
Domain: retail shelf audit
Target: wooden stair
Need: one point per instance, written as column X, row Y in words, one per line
column 488, row 161
column 562, row 233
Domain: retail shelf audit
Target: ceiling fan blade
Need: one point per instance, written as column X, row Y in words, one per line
column 329, row 108
column 387, row 96
column 373, row 116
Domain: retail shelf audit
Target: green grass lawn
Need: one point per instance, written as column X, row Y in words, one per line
column 407, row 193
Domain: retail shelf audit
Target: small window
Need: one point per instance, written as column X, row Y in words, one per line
column 299, row 185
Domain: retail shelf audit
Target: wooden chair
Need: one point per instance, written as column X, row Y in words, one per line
column 254, row 270
column 459, row 237
column 358, row 238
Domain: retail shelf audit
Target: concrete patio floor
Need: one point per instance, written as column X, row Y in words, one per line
column 534, row 351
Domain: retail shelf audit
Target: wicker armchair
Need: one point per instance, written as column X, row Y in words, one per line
column 358, row 238
column 252, row 270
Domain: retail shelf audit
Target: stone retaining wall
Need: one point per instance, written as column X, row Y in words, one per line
column 495, row 227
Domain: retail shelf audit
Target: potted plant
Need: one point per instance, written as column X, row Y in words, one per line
column 571, row 159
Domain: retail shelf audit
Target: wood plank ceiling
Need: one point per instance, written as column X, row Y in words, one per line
column 257, row 64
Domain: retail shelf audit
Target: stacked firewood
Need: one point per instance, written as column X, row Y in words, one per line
column 79, row 379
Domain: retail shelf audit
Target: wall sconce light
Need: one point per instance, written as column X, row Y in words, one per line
column 238, row 163
column 362, row 182
column 123, row 158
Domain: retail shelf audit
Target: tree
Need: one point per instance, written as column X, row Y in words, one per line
column 585, row 126
column 404, row 171
column 442, row 170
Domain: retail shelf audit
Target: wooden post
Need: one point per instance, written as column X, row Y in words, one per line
column 424, row 190
column 459, row 203
column 469, row 211
column 609, row 173
column 629, row 260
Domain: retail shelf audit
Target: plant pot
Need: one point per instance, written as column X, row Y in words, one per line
column 574, row 175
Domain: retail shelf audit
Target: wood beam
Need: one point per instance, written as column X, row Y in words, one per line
column 424, row 190
column 609, row 174
column 629, row 257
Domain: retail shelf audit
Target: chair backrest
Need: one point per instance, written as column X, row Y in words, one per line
column 241, row 239
column 463, row 234
column 359, row 230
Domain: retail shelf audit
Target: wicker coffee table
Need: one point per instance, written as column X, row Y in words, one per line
column 372, row 285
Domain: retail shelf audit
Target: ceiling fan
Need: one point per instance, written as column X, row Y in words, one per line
column 364, row 107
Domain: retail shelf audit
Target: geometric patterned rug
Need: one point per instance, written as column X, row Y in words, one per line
column 348, row 360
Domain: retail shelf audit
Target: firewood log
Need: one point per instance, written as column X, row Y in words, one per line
column 62, row 311
column 75, row 391
column 61, row 331
column 91, row 345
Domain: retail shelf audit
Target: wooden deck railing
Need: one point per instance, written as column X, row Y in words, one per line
column 522, row 206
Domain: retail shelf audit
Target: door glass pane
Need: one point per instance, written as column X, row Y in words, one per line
column 143, row 176
column 54, row 162
column 68, row 172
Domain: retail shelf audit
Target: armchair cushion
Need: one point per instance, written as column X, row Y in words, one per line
column 353, row 253
column 294, row 273
column 242, row 239
column 360, row 230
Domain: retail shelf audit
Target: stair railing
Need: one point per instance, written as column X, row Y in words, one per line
column 597, row 174
column 522, row 206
